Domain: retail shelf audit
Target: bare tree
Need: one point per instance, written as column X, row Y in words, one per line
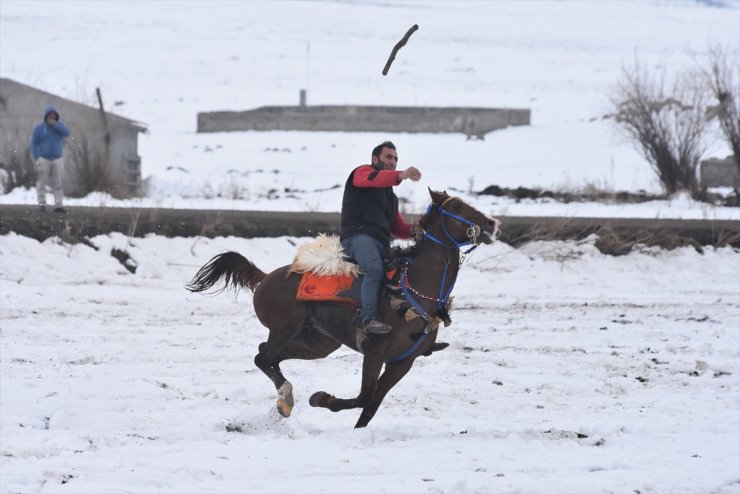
column 667, row 128
column 89, row 169
column 18, row 163
column 721, row 78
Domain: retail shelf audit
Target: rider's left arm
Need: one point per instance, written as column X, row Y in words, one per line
column 401, row 229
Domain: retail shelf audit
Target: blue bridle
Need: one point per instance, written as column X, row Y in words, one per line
column 472, row 232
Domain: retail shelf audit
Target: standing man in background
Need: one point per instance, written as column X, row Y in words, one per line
column 47, row 147
column 370, row 217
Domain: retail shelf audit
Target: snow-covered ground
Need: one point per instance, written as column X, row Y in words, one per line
column 568, row 371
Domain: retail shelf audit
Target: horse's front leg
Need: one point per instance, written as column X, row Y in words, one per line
column 371, row 367
column 392, row 374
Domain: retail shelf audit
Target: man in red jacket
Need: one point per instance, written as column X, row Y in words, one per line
column 370, row 217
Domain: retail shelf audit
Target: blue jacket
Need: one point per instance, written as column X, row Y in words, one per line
column 47, row 141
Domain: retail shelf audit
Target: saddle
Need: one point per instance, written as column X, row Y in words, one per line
column 338, row 288
column 328, row 274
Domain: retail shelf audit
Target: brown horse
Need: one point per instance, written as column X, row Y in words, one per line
column 414, row 304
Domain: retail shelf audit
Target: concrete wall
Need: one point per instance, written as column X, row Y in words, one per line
column 720, row 173
column 473, row 122
column 22, row 108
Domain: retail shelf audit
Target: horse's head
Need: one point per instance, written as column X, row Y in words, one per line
column 451, row 222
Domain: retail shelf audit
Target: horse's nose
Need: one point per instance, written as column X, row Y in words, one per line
column 495, row 226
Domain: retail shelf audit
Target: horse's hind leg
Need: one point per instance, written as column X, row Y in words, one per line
column 283, row 386
column 306, row 345
column 267, row 359
column 277, row 310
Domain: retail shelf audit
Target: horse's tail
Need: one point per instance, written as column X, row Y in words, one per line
column 234, row 269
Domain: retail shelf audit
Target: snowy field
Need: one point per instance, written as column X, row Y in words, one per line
column 568, row 371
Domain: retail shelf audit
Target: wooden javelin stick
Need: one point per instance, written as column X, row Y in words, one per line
column 398, row 47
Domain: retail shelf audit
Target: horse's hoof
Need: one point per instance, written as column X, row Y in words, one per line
column 363, row 421
column 284, row 408
column 319, row 399
column 285, row 401
column 436, row 347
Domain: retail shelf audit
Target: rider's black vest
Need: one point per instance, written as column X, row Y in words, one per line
column 370, row 210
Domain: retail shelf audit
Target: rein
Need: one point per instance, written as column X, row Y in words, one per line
column 404, row 284
column 408, row 291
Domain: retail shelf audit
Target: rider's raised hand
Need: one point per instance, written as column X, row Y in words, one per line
column 411, row 173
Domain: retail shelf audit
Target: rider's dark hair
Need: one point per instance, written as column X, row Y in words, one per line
column 379, row 148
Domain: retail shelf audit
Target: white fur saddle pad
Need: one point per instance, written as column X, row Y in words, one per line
column 323, row 256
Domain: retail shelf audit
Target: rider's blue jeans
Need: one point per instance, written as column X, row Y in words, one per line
column 369, row 254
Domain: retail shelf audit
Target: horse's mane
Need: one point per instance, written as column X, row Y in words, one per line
column 398, row 252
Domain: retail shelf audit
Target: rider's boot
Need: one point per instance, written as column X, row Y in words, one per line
column 376, row 326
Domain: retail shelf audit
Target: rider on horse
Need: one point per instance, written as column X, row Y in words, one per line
column 369, row 217
column 310, row 330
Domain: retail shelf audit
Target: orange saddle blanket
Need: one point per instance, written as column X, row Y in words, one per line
column 330, row 288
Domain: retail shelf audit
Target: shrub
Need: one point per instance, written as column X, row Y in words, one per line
column 666, row 126
column 88, row 169
column 18, row 163
column 721, row 78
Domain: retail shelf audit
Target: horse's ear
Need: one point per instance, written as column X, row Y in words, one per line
column 438, row 197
